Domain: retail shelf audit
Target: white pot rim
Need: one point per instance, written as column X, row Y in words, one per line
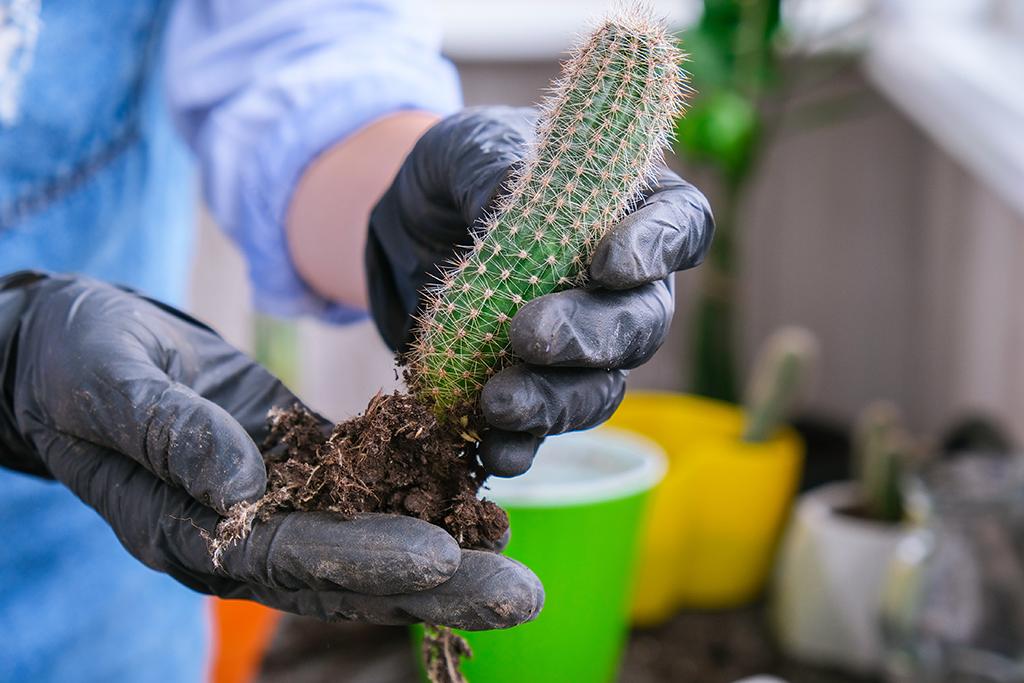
column 826, row 504
column 581, row 468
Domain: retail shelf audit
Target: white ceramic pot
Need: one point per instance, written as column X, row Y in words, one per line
column 828, row 581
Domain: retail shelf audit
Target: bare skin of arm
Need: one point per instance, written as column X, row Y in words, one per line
column 330, row 209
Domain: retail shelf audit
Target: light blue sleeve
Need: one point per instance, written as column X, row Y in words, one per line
column 260, row 87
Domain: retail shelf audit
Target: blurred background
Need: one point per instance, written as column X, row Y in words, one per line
column 865, row 162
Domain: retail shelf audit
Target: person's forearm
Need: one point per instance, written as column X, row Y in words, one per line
column 330, row 209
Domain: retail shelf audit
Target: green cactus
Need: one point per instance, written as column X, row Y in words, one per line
column 882, row 448
column 600, row 138
column 782, row 371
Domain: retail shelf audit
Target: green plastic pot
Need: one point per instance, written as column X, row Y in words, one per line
column 576, row 518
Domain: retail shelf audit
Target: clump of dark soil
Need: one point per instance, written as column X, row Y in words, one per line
column 397, row 457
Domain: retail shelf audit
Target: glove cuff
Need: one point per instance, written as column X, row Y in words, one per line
column 15, row 299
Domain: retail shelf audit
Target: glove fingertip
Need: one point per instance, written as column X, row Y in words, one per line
column 226, row 470
column 508, row 454
column 628, row 257
column 245, row 484
column 498, row 592
column 542, row 331
column 503, row 401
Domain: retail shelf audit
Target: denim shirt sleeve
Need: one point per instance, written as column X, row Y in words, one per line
column 260, row 87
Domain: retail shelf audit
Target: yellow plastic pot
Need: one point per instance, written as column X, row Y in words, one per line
column 715, row 519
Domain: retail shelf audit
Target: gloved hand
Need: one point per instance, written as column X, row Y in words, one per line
column 152, row 419
column 576, row 345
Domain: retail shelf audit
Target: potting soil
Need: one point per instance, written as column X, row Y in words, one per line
column 396, row 457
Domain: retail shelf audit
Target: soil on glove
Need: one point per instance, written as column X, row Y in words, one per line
column 395, row 458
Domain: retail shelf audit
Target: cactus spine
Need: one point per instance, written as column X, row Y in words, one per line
column 600, row 138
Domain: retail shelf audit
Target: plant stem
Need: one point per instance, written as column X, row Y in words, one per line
column 443, row 652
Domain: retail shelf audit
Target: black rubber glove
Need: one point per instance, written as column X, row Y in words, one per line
column 576, row 345
column 152, row 419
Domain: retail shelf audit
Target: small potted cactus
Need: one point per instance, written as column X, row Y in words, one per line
column 835, row 554
column 715, row 520
column 782, row 372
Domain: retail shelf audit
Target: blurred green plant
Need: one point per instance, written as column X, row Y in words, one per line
column 883, row 451
column 734, row 65
column 782, row 373
column 276, row 347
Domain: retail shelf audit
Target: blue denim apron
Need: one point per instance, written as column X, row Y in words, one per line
column 92, row 180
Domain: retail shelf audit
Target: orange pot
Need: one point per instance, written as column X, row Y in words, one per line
column 241, row 633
